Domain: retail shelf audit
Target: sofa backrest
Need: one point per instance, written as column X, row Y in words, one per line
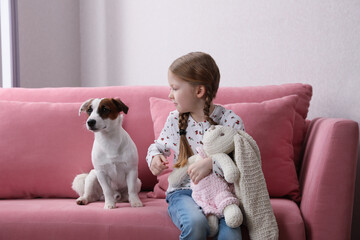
column 138, row 121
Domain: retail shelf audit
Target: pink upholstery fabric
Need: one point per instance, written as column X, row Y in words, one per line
column 43, row 146
column 60, row 219
column 271, row 124
column 329, row 172
column 289, row 219
column 263, row 93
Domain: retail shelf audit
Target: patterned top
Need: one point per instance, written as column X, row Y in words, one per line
column 169, row 138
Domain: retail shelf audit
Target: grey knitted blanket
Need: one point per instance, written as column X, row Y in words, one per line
column 252, row 191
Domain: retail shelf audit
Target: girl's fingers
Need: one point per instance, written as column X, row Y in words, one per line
column 163, row 159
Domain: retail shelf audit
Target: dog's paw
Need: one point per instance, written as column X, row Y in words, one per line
column 136, row 204
column 135, row 200
column 82, row 201
column 109, row 205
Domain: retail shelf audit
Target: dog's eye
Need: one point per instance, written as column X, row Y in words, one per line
column 222, row 134
column 105, row 110
column 89, row 110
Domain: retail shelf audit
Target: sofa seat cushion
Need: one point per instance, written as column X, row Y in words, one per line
column 63, row 219
column 60, row 219
column 288, row 217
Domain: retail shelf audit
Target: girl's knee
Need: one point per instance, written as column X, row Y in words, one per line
column 227, row 233
column 195, row 228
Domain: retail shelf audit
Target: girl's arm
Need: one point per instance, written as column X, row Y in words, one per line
column 160, row 149
column 158, row 164
column 156, row 149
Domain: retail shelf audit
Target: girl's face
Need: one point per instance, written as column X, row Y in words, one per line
column 184, row 95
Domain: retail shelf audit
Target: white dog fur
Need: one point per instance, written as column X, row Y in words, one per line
column 114, row 157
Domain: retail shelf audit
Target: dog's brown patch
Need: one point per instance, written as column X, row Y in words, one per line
column 110, row 108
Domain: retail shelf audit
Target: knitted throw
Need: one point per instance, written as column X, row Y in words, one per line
column 252, row 191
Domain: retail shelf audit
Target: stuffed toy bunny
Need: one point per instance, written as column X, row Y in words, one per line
column 213, row 193
column 245, row 172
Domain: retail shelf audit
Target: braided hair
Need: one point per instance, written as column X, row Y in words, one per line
column 196, row 68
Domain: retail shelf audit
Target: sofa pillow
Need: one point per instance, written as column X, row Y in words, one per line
column 271, row 124
column 259, row 94
column 43, row 146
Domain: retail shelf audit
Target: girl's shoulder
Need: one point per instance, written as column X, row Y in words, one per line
column 227, row 117
column 173, row 117
column 171, row 124
column 221, row 112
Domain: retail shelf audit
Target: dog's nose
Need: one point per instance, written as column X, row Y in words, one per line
column 91, row 123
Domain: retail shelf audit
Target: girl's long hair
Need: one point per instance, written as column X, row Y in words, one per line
column 196, row 68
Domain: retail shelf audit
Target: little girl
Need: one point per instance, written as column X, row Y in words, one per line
column 194, row 81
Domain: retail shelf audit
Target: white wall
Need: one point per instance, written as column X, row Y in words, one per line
column 49, row 43
column 132, row 42
column 254, row 43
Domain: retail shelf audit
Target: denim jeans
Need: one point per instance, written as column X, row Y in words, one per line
column 191, row 221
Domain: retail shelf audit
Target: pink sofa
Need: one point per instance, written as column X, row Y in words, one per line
column 309, row 165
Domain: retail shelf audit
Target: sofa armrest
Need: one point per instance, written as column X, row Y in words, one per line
column 327, row 178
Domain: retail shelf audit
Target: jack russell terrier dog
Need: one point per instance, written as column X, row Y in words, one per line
column 114, row 157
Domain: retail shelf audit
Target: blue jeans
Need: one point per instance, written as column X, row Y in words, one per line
column 191, row 221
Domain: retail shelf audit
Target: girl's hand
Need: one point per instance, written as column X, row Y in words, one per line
column 200, row 169
column 158, row 164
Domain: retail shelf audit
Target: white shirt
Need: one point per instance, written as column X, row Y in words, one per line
column 169, row 138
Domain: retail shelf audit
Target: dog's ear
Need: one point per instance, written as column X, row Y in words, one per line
column 121, row 107
column 85, row 105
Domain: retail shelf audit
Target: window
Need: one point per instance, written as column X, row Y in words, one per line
column 9, row 43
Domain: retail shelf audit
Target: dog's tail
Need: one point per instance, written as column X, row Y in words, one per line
column 78, row 185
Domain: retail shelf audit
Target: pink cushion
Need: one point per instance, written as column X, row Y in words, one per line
column 263, row 93
column 271, row 124
column 63, row 219
column 289, row 219
column 60, row 219
column 42, row 147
